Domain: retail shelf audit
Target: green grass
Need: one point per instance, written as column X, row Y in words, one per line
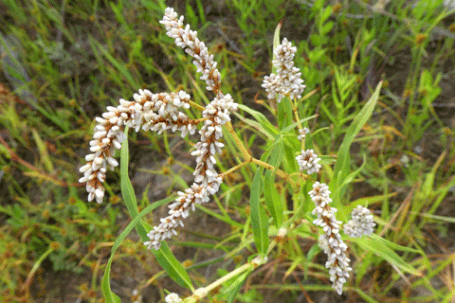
column 63, row 62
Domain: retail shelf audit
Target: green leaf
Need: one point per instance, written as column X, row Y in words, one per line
column 264, row 124
column 276, row 41
column 234, row 288
column 129, row 196
column 382, row 249
column 393, row 245
column 439, row 218
column 172, row 266
column 284, row 115
column 342, row 166
column 164, row 255
column 272, row 198
column 109, row 296
column 259, row 220
column 294, row 125
column 367, row 201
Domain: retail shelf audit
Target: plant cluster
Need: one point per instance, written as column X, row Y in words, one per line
column 159, row 112
column 386, row 155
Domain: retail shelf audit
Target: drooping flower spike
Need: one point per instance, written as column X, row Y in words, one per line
column 188, row 40
column 156, row 112
column 330, row 241
column 160, row 112
column 207, row 181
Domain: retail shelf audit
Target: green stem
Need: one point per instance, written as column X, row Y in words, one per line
column 202, row 292
column 36, row 266
column 245, row 153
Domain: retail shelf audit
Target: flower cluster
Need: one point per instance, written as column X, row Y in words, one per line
column 308, row 160
column 362, row 223
column 160, row 112
column 150, row 111
column 163, row 111
column 207, row 181
column 172, row 298
column 286, row 81
column 330, row 241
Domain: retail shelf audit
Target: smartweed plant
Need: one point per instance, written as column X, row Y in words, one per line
column 290, row 160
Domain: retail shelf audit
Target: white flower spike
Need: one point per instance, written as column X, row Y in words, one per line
column 362, row 223
column 330, row 241
column 286, row 81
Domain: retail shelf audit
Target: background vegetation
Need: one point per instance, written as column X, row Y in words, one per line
column 63, row 62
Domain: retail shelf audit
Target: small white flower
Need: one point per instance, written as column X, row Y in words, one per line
column 173, row 298
column 303, row 133
column 405, row 160
column 308, row 160
column 282, row 232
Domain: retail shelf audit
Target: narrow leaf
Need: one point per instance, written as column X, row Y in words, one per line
column 276, row 40
column 267, row 126
column 109, row 296
column 129, row 196
column 381, row 248
column 258, row 216
column 172, row 266
column 164, row 255
column 342, row 166
column 234, row 288
column 43, row 151
column 272, row 198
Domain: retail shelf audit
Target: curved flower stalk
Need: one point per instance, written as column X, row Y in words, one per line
column 362, row 223
column 286, row 81
column 156, row 112
column 330, row 241
column 188, row 40
column 207, row 181
column 160, row 112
